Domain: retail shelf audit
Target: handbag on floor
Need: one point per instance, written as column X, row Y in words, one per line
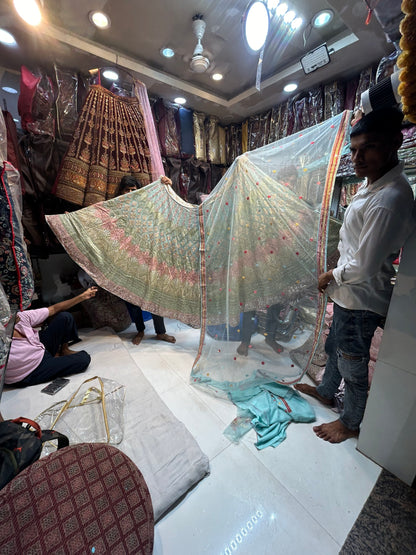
column 21, row 443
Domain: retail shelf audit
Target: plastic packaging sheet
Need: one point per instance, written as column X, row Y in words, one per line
column 235, row 142
column 213, row 140
column 167, row 117
column 316, row 106
column 365, row 81
column 93, row 414
column 334, row 98
column 36, row 103
column 242, row 265
column 66, row 102
column 222, row 145
column 200, row 137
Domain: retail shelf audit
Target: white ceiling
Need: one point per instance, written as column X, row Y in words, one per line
column 141, row 28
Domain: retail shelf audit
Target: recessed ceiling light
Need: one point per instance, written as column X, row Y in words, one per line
column 167, row 52
column 289, row 16
column 9, row 90
column 7, row 38
column 282, row 9
column 322, row 18
column 256, row 25
column 217, row 76
column 110, row 74
column 272, row 4
column 296, row 23
column 100, row 19
column 29, row 11
column 290, row 87
column 180, row 100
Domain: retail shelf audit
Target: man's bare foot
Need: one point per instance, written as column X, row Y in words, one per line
column 274, row 345
column 166, row 337
column 310, row 390
column 334, row 432
column 65, row 350
column 138, row 337
column 242, row 349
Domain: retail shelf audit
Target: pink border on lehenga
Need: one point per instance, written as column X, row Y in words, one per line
column 70, row 246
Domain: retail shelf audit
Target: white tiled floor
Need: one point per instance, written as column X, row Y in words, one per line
column 301, row 497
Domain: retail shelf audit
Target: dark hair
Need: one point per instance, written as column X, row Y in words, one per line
column 126, row 182
column 386, row 120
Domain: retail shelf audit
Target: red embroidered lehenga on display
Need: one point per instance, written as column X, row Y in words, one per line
column 109, row 141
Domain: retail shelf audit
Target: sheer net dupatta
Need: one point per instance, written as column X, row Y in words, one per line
column 266, row 230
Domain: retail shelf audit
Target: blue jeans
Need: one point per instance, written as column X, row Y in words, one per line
column 348, row 349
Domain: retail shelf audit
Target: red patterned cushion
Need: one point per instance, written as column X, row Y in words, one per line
column 87, row 498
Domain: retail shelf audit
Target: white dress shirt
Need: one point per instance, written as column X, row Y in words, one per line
column 376, row 225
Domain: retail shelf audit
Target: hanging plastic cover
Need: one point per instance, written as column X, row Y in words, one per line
column 243, row 265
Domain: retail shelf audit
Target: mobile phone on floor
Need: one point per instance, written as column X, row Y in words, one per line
column 55, row 386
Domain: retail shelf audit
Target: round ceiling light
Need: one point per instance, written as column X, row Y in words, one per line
column 282, row 9
column 110, row 74
column 290, row 87
column 7, row 38
column 9, row 90
column 29, row 11
column 167, row 52
column 180, row 100
column 272, row 4
column 296, row 23
column 100, row 19
column 256, row 25
column 289, row 16
column 217, row 76
column 322, row 18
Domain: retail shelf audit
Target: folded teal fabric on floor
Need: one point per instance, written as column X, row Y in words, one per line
column 271, row 407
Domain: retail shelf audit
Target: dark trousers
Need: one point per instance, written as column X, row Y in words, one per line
column 348, row 349
column 62, row 329
column 136, row 315
column 249, row 322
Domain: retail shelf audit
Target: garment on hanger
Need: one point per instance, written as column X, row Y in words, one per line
column 16, row 274
column 254, row 242
column 109, row 141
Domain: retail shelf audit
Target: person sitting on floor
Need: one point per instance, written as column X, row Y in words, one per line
column 38, row 357
column 128, row 184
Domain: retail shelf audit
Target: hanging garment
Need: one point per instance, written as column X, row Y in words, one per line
column 141, row 93
column 109, row 142
column 16, row 274
column 253, row 243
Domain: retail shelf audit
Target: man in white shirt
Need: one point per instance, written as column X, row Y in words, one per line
column 376, row 225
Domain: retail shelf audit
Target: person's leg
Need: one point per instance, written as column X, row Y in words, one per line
column 331, row 380
column 247, row 329
column 353, row 358
column 136, row 315
column 353, row 351
column 60, row 331
column 272, row 320
column 52, row 367
column 160, row 329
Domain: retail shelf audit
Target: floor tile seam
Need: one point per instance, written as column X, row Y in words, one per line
column 293, row 495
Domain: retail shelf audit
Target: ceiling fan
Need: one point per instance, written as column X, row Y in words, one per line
column 201, row 59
